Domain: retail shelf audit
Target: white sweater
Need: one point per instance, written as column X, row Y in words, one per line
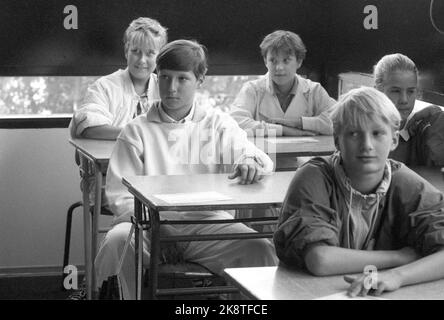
column 257, row 103
column 111, row 100
column 211, row 142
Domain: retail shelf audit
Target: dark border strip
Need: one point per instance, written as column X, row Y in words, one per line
column 34, row 123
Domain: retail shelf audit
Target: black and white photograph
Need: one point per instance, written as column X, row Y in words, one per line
column 222, row 156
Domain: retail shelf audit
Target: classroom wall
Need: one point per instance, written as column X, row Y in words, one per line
column 231, row 30
column 38, row 182
column 403, row 26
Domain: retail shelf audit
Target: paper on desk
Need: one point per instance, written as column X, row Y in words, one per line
column 192, row 197
column 343, row 296
column 292, row 140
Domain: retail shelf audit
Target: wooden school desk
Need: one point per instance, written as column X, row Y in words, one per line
column 297, row 146
column 269, row 192
column 283, row 283
column 94, row 158
column 284, row 151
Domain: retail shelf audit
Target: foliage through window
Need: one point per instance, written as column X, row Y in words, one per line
column 60, row 96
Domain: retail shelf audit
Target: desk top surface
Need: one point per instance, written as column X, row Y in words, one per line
column 298, row 146
column 97, row 150
column 281, row 283
column 271, row 190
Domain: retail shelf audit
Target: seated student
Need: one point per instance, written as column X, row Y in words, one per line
column 282, row 103
column 113, row 100
column 358, row 208
column 421, row 139
column 157, row 143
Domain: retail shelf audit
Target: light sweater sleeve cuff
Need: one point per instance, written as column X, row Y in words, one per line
column 309, row 123
column 274, row 129
column 85, row 121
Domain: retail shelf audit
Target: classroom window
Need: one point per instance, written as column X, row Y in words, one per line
column 41, row 96
column 58, row 96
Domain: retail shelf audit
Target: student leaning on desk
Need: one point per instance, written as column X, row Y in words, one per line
column 158, row 143
column 281, row 102
column 113, row 100
column 358, row 208
column 421, row 140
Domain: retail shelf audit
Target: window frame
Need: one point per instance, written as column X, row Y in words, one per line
column 62, row 121
column 31, row 122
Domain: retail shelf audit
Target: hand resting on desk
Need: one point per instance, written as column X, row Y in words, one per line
column 293, row 132
column 385, row 281
column 294, row 123
column 249, row 171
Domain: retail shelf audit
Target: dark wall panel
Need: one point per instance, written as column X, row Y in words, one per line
column 231, row 29
column 403, row 26
column 34, row 41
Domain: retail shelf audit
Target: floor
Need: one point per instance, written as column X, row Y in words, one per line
column 50, row 288
column 32, row 288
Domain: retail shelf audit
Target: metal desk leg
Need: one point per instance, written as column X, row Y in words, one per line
column 95, row 223
column 86, row 227
column 154, row 253
column 138, row 247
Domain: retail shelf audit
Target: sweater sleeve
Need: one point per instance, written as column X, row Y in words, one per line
column 307, row 216
column 244, row 110
column 95, row 110
column 422, row 207
column 126, row 160
column 322, row 106
column 236, row 147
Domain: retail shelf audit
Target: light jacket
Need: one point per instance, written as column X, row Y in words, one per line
column 257, row 103
column 315, row 210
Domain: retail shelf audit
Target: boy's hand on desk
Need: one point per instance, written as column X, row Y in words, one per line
column 294, row 123
column 249, row 172
column 293, row 132
column 376, row 284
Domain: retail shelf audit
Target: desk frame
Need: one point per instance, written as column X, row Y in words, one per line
column 154, row 222
column 90, row 166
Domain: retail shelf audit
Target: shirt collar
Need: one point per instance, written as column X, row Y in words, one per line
column 299, row 85
column 157, row 114
column 404, row 133
column 345, row 184
column 164, row 117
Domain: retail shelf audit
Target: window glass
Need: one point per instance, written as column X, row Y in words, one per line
column 29, row 97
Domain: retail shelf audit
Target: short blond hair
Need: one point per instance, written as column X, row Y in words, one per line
column 359, row 106
column 391, row 63
column 145, row 30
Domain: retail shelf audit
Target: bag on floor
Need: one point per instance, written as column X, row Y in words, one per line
column 111, row 288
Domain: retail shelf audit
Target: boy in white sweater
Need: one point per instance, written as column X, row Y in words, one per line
column 178, row 136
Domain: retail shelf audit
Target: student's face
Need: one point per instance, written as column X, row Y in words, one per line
column 401, row 88
column 281, row 66
column 141, row 61
column 365, row 150
column 177, row 89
